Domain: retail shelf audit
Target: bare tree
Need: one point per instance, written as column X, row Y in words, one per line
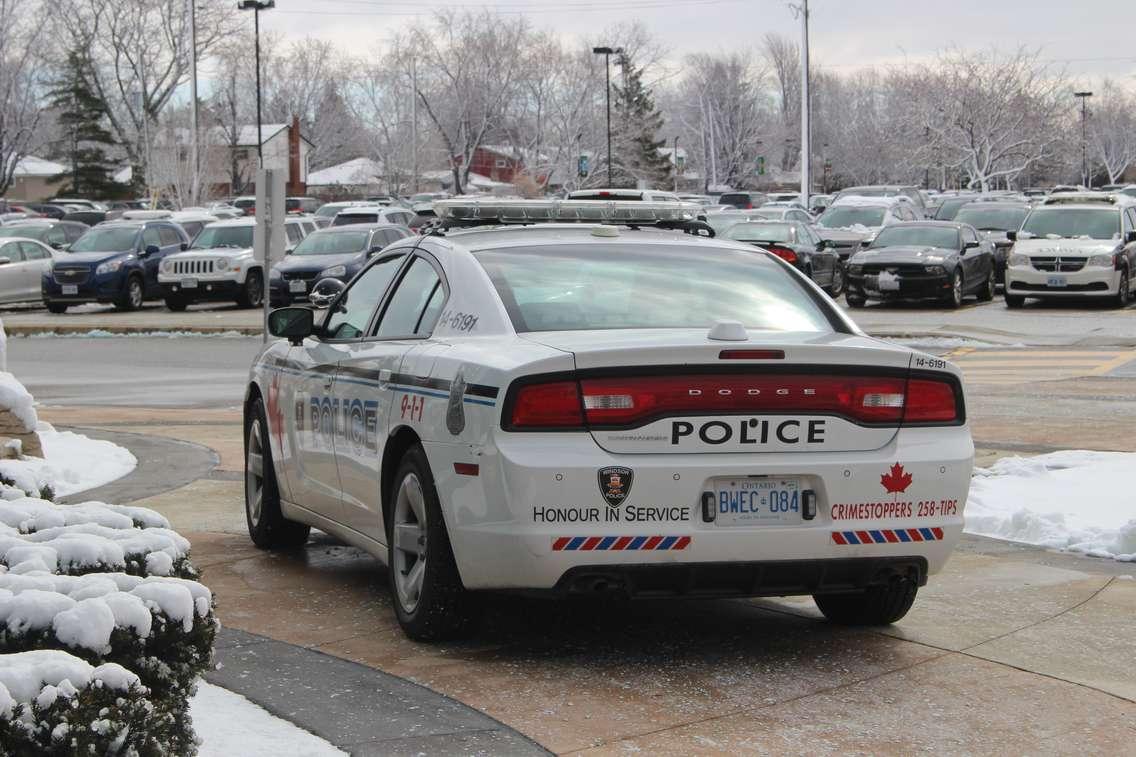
column 1112, row 129
column 380, row 97
column 784, row 59
column 20, row 90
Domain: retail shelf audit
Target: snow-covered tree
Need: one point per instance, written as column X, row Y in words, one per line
column 636, row 123
column 20, row 88
column 1112, row 129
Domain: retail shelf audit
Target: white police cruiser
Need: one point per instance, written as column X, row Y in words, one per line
column 604, row 407
column 219, row 265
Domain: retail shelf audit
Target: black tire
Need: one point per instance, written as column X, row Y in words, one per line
column 176, row 304
column 441, row 608
column 986, row 293
column 252, row 293
column 1015, row 300
column 133, row 295
column 954, row 299
column 1123, row 291
column 58, row 308
column 267, row 526
column 836, row 288
column 855, row 301
column 875, row 606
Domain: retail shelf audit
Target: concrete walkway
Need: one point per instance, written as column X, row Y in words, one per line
column 1011, row 650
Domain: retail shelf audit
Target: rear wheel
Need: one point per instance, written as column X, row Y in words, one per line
column 875, row 606
column 837, row 285
column 854, row 301
column 429, row 599
column 133, row 296
column 177, row 304
column 1015, row 300
column 57, row 307
column 252, row 293
column 1122, row 291
column 986, row 293
column 267, row 526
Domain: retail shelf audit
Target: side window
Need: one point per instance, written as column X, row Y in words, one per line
column 33, row 251
column 392, row 235
column 292, row 231
column 968, row 234
column 1129, row 220
column 151, row 236
column 349, row 320
column 171, row 237
column 56, row 235
column 74, row 231
column 406, row 311
column 12, row 252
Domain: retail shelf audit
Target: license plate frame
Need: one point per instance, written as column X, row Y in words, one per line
column 298, row 286
column 757, row 501
column 189, row 283
column 70, row 289
column 1056, row 282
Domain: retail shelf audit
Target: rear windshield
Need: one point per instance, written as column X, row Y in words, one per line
column 336, row 243
column 224, row 236
column 1095, row 223
column 329, row 210
column 851, row 215
column 346, row 218
column 993, row 219
column 761, row 232
column 25, row 232
column 950, row 208
column 918, row 236
column 107, row 240
column 599, row 286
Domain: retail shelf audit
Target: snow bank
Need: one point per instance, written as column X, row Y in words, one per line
column 1077, row 500
column 75, row 463
column 104, row 334
column 24, row 676
column 229, row 725
column 18, row 400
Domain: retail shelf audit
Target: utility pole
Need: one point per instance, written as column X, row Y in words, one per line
column 802, row 11
column 1084, row 98
column 145, row 123
column 607, row 52
column 194, row 190
column 256, row 6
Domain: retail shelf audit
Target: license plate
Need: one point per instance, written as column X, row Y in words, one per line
column 297, row 286
column 888, row 282
column 757, row 501
column 1056, row 281
column 70, row 289
column 189, row 283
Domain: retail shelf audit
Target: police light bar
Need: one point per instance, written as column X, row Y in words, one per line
column 490, row 211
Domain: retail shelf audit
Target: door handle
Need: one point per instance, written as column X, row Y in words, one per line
column 328, row 382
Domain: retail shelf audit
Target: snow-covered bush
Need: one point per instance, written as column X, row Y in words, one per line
column 52, row 703
column 161, row 629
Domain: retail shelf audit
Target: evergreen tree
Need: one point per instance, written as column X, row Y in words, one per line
column 637, row 121
column 82, row 118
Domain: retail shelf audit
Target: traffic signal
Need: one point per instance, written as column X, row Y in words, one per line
column 582, row 166
column 759, row 165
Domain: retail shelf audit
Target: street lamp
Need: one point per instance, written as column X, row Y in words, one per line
column 607, row 52
column 1084, row 97
column 256, row 6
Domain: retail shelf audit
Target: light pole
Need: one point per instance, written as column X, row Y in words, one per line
column 607, row 52
column 802, row 11
column 256, row 6
column 1084, row 97
column 678, row 166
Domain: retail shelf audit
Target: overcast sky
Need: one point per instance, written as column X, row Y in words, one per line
column 1092, row 38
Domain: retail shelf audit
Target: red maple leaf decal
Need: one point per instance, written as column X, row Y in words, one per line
column 275, row 412
column 896, row 480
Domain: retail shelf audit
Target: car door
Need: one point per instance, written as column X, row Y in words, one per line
column 37, row 261
column 976, row 264
column 820, row 262
column 12, row 284
column 407, row 320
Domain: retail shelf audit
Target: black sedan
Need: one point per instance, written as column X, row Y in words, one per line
column 937, row 260
column 994, row 221
column 797, row 244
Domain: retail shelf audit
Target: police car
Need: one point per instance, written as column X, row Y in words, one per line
column 614, row 407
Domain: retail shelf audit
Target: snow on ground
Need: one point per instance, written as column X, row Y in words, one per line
column 75, row 463
column 230, row 725
column 947, row 343
column 1077, row 500
column 104, row 334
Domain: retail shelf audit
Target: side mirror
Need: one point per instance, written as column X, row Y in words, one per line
column 1012, row 236
column 1129, row 237
column 293, row 324
column 184, row 246
column 969, row 245
column 822, row 244
column 5, row 261
column 151, row 249
column 326, row 291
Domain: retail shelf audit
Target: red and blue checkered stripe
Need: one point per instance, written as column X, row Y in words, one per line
column 619, row 543
column 887, row 536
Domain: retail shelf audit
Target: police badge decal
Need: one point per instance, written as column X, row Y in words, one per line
column 615, row 484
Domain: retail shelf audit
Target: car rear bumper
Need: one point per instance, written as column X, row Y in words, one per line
column 534, row 516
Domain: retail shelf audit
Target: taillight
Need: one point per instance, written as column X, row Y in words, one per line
column 622, row 402
column 783, row 252
column 552, row 405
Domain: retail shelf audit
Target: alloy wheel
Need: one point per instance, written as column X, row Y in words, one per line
column 409, row 535
column 254, row 473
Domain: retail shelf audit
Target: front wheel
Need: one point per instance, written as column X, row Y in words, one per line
column 252, row 293
column 267, row 526
column 875, row 606
column 429, row 599
column 855, row 301
column 134, row 295
column 1123, row 292
column 986, row 294
column 1015, row 301
column 954, row 297
column 837, row 286
column 57, row 307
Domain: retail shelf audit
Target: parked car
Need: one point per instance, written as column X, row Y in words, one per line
column 373, row 214
column 851, row 222
column 246, row 204
column 796, row 244
column 335, row 253
column 324, row 216
column 78, row 202
column 819, row 203
column 23, row 264
column 423, row 215
column 743, row 200
column 59, row 235
column 720, row 221
column 995, row 221
column 1077, row 244
column 50, row 211
column 219, row 265
column 88, row 217
column 645, row 195
column 428, row 197
column 115, row 263
column 912, row 193
column 936, row 260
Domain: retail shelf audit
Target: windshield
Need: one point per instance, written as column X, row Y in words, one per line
column 343, row 219
column 1095, row 223
column 722, row 221
column 599, row 286
column 850, row 215
column 328, row 211
column 25, row 232
column 337, row 243
column 917, row 236
column 223, row 236
column 761, row 232
column 993, row 219
column 121, row 239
